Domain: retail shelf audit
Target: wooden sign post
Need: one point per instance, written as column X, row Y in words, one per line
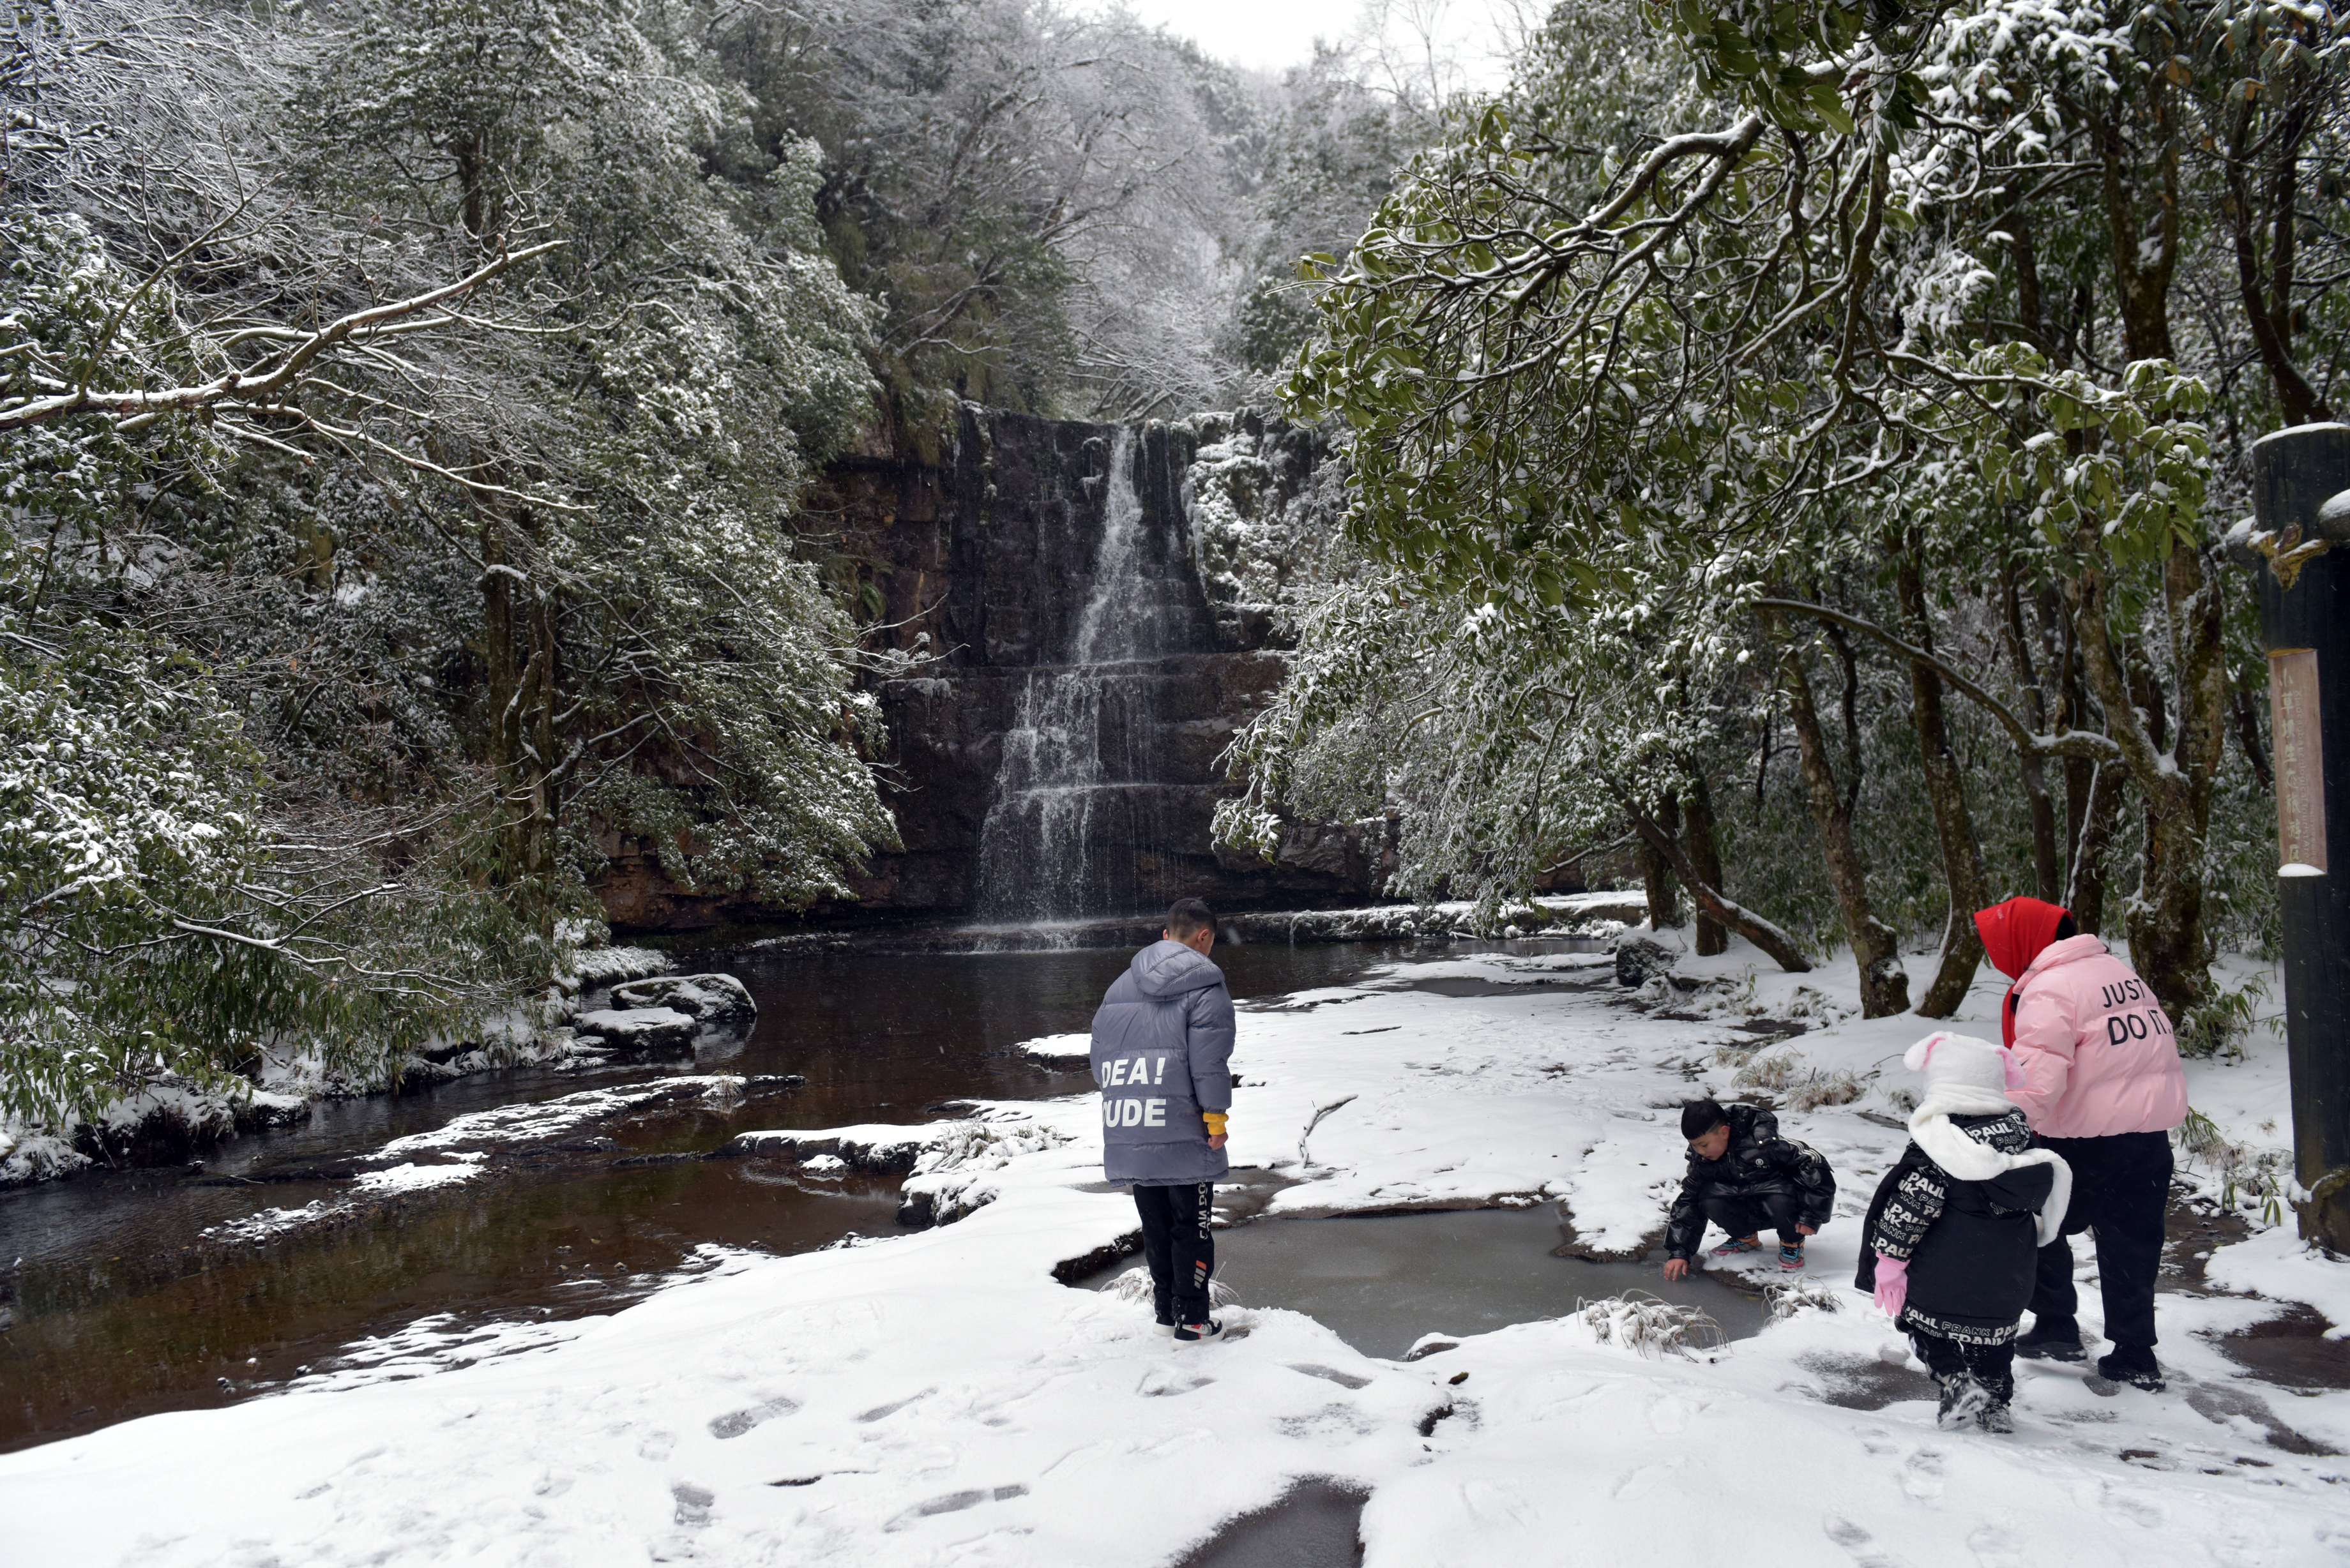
column 2300, row 546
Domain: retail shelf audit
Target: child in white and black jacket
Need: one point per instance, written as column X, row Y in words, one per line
column 1956, row 1227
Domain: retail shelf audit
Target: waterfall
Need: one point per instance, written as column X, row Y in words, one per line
column 1079, row 813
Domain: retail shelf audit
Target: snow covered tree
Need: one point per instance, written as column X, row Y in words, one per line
column 449, row 599
column 1778, row 291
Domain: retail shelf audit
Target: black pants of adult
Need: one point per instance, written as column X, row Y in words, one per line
column 1746, row 1216
column 1992, row 1366
column 2121, row 1190
column 1179, row 1247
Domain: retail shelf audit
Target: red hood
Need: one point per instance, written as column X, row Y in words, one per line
column 2015, row 932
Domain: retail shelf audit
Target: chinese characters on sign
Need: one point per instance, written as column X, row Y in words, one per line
column 2299, row 762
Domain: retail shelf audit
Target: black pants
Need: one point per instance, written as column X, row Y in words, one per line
column 1992, row 1366
column 1747, row 1216
column 2121, row 1189
column 1178, row 1247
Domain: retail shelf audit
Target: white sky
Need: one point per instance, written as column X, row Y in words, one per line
column 1269, row 35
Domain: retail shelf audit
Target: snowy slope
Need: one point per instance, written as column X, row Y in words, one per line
column 937, row 1398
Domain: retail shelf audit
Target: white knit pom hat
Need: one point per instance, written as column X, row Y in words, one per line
column 1963, row 1060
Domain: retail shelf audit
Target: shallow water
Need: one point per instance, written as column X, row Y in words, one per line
column 1384, row 1281
column 125, row 1308
column 1317, row 1525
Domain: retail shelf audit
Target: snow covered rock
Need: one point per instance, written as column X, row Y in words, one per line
column 617, row 966
column 1637, row 960
column 950, row 1168
column 645, row 1030
column 873, row 1148
column 718, row 1004
column 26, row 1156
column 1066, row 1050
column 161, row 1124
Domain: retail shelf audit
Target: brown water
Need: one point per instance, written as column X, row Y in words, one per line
column 124, row 1307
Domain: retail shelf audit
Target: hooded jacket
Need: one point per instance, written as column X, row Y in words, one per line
column 1758, row 1163
column 1971, row 1234
column 1162, row 1047
column 2097, row 1050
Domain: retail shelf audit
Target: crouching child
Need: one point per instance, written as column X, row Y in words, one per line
column 1743, row 1176
column 1957, row 1225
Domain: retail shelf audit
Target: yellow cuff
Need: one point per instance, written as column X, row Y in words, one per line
column 1215, row 1120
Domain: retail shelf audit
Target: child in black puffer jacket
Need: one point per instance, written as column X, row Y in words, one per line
column 1956, row 1227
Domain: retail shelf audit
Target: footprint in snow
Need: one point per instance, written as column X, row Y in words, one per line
column 1995, row 1548
column 1921, row 1475
column 2131, row 1503
column 734, row 1423
column 1165, row 1382
column 693, row 1503
column 882, row 1412
column 955, row 1503
column 1857, row 1543
column 1330, row 1375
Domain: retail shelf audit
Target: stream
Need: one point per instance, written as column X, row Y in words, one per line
column 125, row 1307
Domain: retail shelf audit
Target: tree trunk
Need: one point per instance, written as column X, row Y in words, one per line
column 2247, row 736
column 1704, row 851
column 2047, row 863
column 2267, row 301
column 2101, row 789
column 1946, row 790
column 1773, row 940
column 1883, row 987
column 2168, row 943
column 1657, row 872
column 518, row 654
column 2082, row 776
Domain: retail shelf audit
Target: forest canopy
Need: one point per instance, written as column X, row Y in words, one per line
column 1793, row 446
column 1804, row 437
column 406, row 411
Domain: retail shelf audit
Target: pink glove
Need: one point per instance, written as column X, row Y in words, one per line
column 1893, row 1285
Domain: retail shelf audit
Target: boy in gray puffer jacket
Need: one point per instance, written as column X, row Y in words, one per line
column 1162, row 1046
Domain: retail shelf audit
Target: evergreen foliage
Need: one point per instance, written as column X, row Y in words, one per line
column 1840, row 371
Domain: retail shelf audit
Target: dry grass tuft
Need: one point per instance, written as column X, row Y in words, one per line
column 1134, row 1285
column 1816, row 1089
column 1788, row 1297
column 1641, row 1322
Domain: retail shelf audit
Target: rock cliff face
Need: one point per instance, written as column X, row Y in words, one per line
column 1098, row 605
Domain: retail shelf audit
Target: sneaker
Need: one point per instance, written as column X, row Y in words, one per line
column 1996, row 1418
column 1198, row 1333
column 1736, row 1245
column 1791, row 1258
column 2135, row 1367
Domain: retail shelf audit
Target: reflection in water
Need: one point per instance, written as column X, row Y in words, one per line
column 126, row 1309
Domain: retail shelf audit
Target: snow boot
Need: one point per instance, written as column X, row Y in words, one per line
column 1791, row 1258
column 1198, row 1333
column 2133, row 1364
column 1736, row 1245
column 1964, row 1401
column 2052, row 1341
column 1996, row 1417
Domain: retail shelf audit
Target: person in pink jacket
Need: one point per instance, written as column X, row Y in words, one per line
column 2103, row 1087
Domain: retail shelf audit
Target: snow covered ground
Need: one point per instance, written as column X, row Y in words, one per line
column 937, row 1398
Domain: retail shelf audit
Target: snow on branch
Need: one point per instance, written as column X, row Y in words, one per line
column 257, row 388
